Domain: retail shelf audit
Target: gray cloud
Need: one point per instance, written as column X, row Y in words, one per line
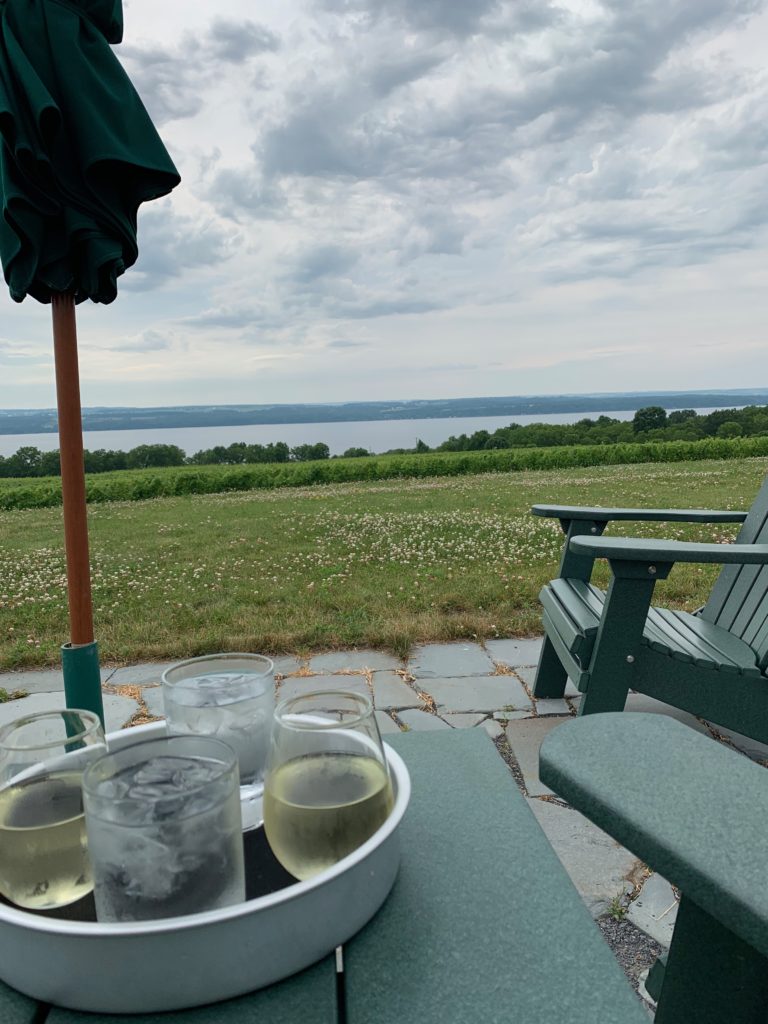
column 525, row 142
column 739, row 140
column 166, row 80
column 238, row 192
column 231, row 317
column 394, row 72
column 373, row 308
column 323, row 261
column 236, row 41
column 172, row 81
column 171, row 244
column 603, row 73
column 19, row 353
column 436, row 231
column 546, row 167
column 146, row 341
column 458, row 17
column 519, row 174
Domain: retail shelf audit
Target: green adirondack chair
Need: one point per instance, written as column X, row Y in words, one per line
column 694, row 811
column 711, row 663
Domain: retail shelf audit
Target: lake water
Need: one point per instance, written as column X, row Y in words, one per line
column 375, row 435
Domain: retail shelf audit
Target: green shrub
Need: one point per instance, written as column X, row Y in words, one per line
column 136, row 485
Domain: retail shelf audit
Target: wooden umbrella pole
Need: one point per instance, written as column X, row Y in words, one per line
column 72, row 469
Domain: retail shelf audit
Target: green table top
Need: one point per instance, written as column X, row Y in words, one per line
column 482, row 924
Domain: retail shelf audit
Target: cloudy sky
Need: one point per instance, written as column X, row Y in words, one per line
column 429, row 198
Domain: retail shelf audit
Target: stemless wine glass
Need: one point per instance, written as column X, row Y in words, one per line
column 327, row 787
column 164, row 829
column 43, row 851
column 231, row 696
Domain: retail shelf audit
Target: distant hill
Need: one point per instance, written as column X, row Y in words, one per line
column 43, row 421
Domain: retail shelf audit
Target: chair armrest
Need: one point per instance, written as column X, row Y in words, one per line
column 692, row 809
column 631, row 549
column 669, row 515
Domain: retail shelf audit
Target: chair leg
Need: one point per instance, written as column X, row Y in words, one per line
column 603, row 695
column 609, row 679
column 551, row 677
column 617, row 644
column 711, row 975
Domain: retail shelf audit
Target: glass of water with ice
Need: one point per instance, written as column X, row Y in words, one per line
column 164, row 830
column 232, row 697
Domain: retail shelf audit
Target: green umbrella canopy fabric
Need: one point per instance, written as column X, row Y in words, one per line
column 78, row 151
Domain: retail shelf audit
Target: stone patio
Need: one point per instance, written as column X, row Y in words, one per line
column 443, row 686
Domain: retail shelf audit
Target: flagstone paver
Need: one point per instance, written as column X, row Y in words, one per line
column 654, row 911
column 357, row 661
column 117, row 710
column 599, row 868
column 524, row 738
column 553, row 706
column 513, row 716
column 649, row 705
column 140, row 675
column 514, row 653
column 433, row 661
column 528, row 674
column 287, row 665
column 493, row 728
column 752, row 748
column 483, row 693
column 464, row 721
column 299, row 685
column 422, row 721
column 389, row 691
column 385, row 723
column 46, row 680
column 153, row 698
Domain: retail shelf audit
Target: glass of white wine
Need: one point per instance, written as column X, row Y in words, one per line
column 43, row 849
column 327, row 787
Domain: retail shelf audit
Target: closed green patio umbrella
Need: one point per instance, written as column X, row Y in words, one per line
column 78, row 156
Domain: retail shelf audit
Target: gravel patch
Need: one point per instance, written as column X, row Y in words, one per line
column 633, row 949
column 502, row 745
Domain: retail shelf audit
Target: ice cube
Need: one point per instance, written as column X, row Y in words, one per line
column 241, row 722
column 218, row 690
column 157, row 770
column 150, row 868
column 113, row 789
column 196, row 773
column 187, row 696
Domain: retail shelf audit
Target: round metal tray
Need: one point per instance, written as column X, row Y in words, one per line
column 201, row 958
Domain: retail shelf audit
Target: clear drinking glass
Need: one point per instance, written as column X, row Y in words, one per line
column 327, row 787
column 232, row 697
column 43, row 852
column 164, row 830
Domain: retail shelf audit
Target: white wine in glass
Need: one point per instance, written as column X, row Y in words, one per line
column 327, row 788
column 43, row 849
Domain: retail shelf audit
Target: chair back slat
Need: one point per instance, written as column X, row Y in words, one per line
column 760, row 644
column 751, row 634
column 739, row 598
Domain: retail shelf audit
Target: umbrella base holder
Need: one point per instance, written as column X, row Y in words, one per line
column 82, row 677
column 281, row 928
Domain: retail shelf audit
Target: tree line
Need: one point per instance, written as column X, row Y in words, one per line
column 31, row 462
column 651, row 423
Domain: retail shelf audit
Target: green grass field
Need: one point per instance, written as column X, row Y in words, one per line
column 386, row 564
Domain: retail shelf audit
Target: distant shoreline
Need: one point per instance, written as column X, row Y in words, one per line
column 44, row 421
